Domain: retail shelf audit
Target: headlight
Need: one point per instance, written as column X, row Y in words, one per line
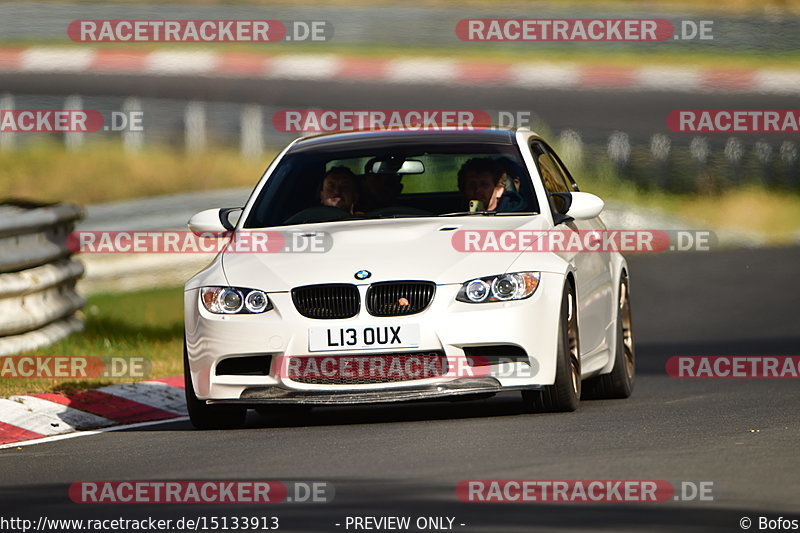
column 229, row 300
column 256, row 302
column 477, row 290
column 234, row 300
column 500, row 288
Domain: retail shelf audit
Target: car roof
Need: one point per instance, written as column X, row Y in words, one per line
column 403, row 136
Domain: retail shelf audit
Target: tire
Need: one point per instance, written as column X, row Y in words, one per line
column 204, row 416
column 563, row 395
column 283, row 410
column 619, row 382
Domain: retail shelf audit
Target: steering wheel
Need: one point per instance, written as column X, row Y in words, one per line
column 320, row 213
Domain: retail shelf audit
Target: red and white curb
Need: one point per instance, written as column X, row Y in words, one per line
column 36, row 417
column 402, row 70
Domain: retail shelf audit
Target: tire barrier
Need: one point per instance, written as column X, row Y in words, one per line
column 38, row 301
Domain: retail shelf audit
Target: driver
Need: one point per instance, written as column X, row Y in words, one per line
column 484, row 180
column 339, row 189
column 378, row 191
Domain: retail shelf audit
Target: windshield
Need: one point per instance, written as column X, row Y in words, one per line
column 324, row 185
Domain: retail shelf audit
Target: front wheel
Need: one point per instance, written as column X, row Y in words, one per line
column 619, row 382
column 563, row 395
column 204, row 416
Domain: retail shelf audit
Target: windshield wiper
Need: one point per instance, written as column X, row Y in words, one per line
column 398, row 215
column 487, row 213
column 464, row 213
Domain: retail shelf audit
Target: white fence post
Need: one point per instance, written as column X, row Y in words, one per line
column 699, row 150
column 7, row 137
column 734, row 154
column 763, row 152
column 734, row 151
column 251, row 134
column 73, row 140
column 132, row 141
column 788, row 152
column 619, row 147
column 194, row 122
column 660, row 146
column 571, row 148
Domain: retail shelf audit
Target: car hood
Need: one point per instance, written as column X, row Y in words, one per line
column 390, row 249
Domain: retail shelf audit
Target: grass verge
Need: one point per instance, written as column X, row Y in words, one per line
column 717, row 200
column 145, row 324
column 103, row 172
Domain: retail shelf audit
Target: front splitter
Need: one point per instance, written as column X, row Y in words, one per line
column 456, row 387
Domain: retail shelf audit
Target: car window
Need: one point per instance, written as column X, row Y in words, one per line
column 562, row 167
column 553, row 178
column 439, row 176
column 292, row 194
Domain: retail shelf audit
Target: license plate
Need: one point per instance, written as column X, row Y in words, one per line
column 363, row 337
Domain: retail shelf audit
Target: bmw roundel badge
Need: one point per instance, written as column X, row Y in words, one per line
column 363, row 274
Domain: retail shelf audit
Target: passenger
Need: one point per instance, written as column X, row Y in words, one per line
column 339, row 189
column 378, row 191
column 511, row 169
column 483, row 180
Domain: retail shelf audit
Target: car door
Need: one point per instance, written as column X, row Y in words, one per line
column 592, row 269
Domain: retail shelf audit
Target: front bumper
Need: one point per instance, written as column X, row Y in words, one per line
column 446, row 326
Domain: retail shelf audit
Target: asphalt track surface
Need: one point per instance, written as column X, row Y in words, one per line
column 406, row 459
column 594, row 113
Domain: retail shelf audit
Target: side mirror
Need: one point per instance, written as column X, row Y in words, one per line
column 218, row 221
column 584, row 206
column 560, row 203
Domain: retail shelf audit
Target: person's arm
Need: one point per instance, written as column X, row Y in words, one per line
column 510, row 202
column 497, row 193
column 505, row 197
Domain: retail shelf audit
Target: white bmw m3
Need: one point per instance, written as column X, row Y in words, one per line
column 407, row 268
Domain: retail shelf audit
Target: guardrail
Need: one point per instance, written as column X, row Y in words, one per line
column 674, row 162
column 37, row 277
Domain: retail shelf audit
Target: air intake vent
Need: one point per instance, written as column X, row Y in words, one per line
column 399, row 298
column 335, row 300
column 367, row 369
column 244, row 366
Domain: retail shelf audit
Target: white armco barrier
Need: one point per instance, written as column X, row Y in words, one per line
column 37, row 277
